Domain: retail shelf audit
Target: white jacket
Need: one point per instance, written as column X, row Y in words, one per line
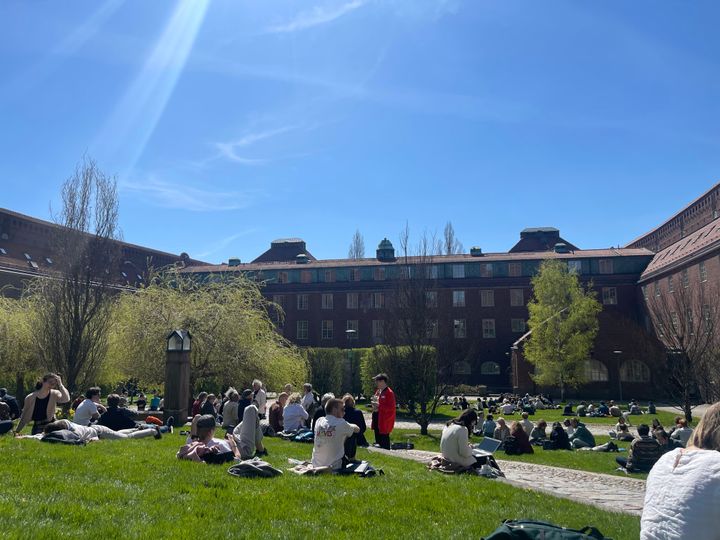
column 454, row 445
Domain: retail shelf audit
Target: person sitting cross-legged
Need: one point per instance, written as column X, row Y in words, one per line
column 116, row 417
column 275, row 414
column 330, row 433
column 203, row 447
column 454, row 443
column 581, row 436
column 294, row 414
column 538, row 433
column 559, row 437
column 644, row 452
column 488, row 426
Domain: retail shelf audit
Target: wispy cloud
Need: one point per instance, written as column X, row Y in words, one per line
column 223, row 243
column 316, row 16
column 183, row 197
column 230, row 149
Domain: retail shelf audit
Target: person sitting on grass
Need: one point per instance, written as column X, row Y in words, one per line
column 488, row 426
column 581, row 436
column 90, row 409
column 615, row 411
column 210, row 406
column 230, row 413
column 41, row 404
column 644, row 452
column 559, row 437
column 502, row 431
column 96, row 432
column 634, row 408
column 568, row 410
column 248, row 434
column 538, row 433
column 603, row 409
column 655, row 426
column 507, row 408
column 517, row 442
column 682, row 432
column 201, row 397
column 203, row 447
column 455, row 441
column 115, row 417
column 666, row 443
column 652, row 409
column 11, row 402
column 354, row 416
column 681, row 489
column 275, row 414
column 294, row 414
column 582, row 409
column 331, row 431
column 526, row 424
column 6, row 423
column 320, row 412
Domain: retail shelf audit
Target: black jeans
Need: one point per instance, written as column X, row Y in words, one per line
column 5, row 426
column 382, row 440
column 622, row 461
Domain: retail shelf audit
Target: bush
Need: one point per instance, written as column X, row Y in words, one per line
column 326, row 370
column 479, row 390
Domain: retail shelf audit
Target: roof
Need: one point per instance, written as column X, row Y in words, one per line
column 437, row 259
column 540, row 239
column 284, row 250
column 692, row 246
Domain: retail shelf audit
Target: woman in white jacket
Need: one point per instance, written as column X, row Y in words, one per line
column 683, row 487
column 455, row 440
column 294, row 414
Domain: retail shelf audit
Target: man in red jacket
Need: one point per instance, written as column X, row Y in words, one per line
column 383, row 416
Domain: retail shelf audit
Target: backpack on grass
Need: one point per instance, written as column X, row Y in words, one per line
column 541, row 530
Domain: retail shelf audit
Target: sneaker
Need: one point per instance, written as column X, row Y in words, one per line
column 170, row 423
column 263, row 453
column 158, row 435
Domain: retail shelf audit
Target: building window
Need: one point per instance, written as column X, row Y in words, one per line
column 302, row 301
column 27, row 256
column 606, row 266
column 282, row 277
column 458, row 298
column 327, row 329
column 488, row 328
column 487, row 298
column 517, row 298
column 671, row 285
column 644, row 292
column 378, row 330
column 279, row 299
column 329, row 276
column 489, row 368
column 432, row 330
column 379, row 273
column 458, row 271
column 517, row 325
column 486, row 270
column 2, row 251
column 514, row 269
column 703, row 272
column 302, row 330
column 306, row 276
column 353, row 325
column 595, row 371
column 459, row 328
column 685, row 276
column 406, row 272
column 352, row 300
column 327, row 301
column 377, row 300
column 431, row 299
column 634, row 371
column 431, row 272
column 675, row 321
column 609, row 296
column 657, row 289
column 354, row 274
column 574, row 267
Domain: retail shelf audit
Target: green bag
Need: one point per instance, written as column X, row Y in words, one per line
column 540, row 530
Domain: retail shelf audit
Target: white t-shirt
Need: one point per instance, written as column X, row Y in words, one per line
column 307, row 401
column 681, row 500
column 86, row 433
column 84, row 412
column 508, row 408
column 261, row 398
column 527, row 425
column 330, row 435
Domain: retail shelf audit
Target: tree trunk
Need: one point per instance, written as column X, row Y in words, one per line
column 423, row 427
column 19, row 387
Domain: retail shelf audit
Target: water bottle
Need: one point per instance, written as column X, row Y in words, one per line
column 408, row 445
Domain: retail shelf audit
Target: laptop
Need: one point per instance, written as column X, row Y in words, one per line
column 486, row 448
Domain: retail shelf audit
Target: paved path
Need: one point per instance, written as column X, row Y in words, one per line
column 611, row 493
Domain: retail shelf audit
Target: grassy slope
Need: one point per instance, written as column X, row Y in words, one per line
column 138, row 489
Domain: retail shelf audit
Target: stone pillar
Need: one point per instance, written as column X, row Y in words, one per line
column 177, row 377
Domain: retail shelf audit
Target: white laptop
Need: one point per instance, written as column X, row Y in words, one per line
column 486, row 448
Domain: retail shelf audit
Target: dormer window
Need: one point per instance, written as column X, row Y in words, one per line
column 33, row 265
column 48, row 260
column 27, row 256
column 2, row 251
column 124, row 275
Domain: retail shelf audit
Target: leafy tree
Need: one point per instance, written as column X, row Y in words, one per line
column 563, row 322
column 326, row 369
column 234, row 340
column 18, row 357
column 74, row 309
column 357, row 246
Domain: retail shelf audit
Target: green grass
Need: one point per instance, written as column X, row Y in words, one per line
column 599, row 462
column 138, row 489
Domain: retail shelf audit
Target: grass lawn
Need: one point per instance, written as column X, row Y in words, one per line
column 600, row 462
column 138, row 489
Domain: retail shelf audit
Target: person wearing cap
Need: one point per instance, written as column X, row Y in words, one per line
column 11, row 403
column 383, row 416
column 203, row 447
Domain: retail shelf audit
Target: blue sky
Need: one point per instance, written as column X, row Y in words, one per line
column 231, row 123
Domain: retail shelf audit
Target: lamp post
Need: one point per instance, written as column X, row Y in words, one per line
column 617, row 361
column 350, row 335
column 177, row 376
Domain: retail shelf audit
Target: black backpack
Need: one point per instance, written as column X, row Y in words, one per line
column 541, row 530
column 511, row 445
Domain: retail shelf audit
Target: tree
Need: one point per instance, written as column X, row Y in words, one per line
column 357, row 246
column 234, row 338
column 685, row 319
column 326, row 369
column 74, row 306
column 451, row 245
column 17, row 352
column 563, row 324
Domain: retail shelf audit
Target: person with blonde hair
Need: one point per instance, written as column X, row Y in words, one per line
column 230, row 412
column 294, row 414
column 682, row 488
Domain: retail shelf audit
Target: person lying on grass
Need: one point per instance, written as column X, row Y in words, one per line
column 96, row 432
column 330, row 433
column 202, row 446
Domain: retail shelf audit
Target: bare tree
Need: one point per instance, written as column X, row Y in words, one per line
column 451, row 245
column 357, row 246
column 73, row 320
column 685, row 320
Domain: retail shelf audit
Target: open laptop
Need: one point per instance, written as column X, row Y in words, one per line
column 486, row 448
